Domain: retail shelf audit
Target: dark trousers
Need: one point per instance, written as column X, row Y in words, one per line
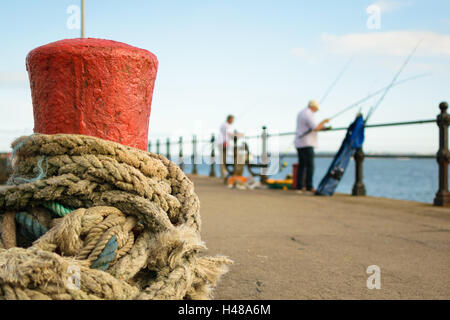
column 305, row 167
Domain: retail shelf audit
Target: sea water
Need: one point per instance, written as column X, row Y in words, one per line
column 397, row 178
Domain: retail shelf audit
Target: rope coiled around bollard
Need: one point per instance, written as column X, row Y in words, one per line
column 128, row 220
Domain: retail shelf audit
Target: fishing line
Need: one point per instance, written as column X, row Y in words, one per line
column 372, row 110
column 335, row 81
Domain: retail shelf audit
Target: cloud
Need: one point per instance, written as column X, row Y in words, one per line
column 394, row 43
column 387, row 6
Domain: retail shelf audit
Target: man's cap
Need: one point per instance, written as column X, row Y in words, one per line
column 313, row 103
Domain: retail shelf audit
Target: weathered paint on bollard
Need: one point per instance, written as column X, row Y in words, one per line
column 94, row 87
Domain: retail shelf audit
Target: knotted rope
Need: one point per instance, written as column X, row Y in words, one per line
column 103, row 221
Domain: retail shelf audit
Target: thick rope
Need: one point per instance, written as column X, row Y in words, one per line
column 8, row 238
column 126, row 220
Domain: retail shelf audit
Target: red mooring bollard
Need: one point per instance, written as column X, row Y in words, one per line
column 94, row 87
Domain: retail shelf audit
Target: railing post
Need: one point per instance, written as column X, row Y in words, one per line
column 264, row 156
column 358, row 188
column 149, row 146
column 194, row 154
column 180, row 153
column 212, row 172
column 225, row 172
column 442, row 197
column 235, row 153
column 157, row 146
column 168, row 148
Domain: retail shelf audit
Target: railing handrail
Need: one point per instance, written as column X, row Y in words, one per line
column 389, row 124
column 290, row 133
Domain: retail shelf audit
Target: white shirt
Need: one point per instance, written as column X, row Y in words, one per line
column 305, row 123
column 226, row 134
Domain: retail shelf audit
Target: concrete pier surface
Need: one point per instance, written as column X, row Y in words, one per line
column 290, row 246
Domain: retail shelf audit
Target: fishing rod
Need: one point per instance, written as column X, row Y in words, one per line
column 335, row 81
column 386, row 89
column 373, row 94
column 374, row 107
column 369, row 96
column 357, row 103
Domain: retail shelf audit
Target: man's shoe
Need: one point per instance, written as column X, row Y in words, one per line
column 300, row 191
column 311, row 191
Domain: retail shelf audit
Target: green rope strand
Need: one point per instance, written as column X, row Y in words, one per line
column 107, row 255
column 30, row 227
column 57, row 208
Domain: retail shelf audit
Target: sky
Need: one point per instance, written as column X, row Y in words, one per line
column 259, row 60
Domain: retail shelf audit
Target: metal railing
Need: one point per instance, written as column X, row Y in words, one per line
column 442, row 197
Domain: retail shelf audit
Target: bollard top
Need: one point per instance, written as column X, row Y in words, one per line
column 443, row 106
column 89, row 46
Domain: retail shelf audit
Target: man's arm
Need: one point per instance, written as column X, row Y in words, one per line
column 321, row 125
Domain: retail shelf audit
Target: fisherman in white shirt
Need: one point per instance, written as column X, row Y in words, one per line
column 305, row 142
column 225, row 139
